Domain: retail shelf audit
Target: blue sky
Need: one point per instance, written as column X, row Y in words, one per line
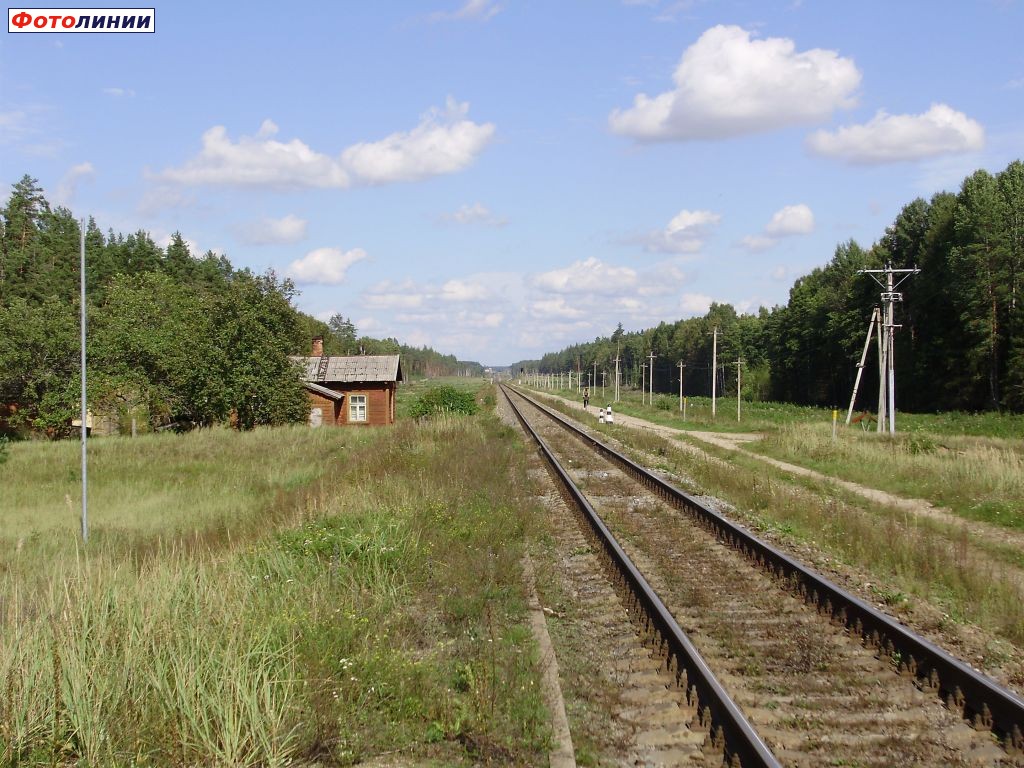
column 500, row 178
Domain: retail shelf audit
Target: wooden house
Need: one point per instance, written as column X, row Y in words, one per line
column 357, row 390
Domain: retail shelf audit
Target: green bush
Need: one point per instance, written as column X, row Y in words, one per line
column 444, row 399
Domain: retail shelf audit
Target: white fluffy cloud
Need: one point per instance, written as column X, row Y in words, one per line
column 695, row 303
column 445, row 141
column 477, row 213
column 786, row 222
column 554, row 307
column 324, row 266
column 267, row 231
column 256, row 161
column 590, row 276
column 68, row 185
column 685, row 233
column 889, row 138
column 463, row 290
column 791, row 220
column 727, row 84
column 547, row 309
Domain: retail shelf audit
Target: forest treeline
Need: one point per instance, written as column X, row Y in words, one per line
column 173, row 338
column 960, row 344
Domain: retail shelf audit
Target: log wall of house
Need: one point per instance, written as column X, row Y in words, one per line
column 380, row 403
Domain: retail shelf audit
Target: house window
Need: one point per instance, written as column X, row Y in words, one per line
column 357, row 408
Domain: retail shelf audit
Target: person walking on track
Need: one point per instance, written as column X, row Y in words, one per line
column 586, row 397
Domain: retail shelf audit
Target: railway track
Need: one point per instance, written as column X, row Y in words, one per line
column 814, row 675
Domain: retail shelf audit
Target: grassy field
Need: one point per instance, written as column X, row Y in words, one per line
column 762, row 417
column 971, row 463
column 277, row 597
column 977, row 478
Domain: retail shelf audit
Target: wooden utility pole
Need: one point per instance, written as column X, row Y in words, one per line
column 604, row 375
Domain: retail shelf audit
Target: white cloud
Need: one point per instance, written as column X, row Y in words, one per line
column 443, row 142
column 727, row 84
column 589, row 276
column 479, row 10
column 389, row 295
column 479, row 319
column 463, row 290
column 788, row 221
column 554, row 307
column 119, row 92
column 779, row 272
column 791, row 220
column 477, row 213
column 267, row 231
column 324, row 266
column 685, row 233
column 695, row 303
column 756, row 243
column 68, row 185
column 258, row 161
column 894, row 138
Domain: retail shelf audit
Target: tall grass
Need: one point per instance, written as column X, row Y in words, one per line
column 766, row 416
column 374, row 610
column 978, row 478
column 162, row 484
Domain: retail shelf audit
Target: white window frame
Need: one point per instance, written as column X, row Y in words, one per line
column 355, row 402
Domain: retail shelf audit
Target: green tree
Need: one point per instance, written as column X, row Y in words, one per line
column 344, row 332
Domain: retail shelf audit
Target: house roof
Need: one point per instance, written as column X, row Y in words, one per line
column 330, row 394
column 350, row 369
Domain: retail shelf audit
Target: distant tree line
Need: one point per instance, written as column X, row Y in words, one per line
column 961, row 341
column 174, row 339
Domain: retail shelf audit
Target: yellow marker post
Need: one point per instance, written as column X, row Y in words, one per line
column 835, row 420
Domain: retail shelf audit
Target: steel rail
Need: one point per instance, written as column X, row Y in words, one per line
column 716, row 712
column 985, row 704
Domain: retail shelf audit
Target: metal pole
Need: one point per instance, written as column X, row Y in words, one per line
column 739, row 362
column 860, row 367
column 890, row 358
column 85, row 430
column 652, row 377
column 714, row 374
column 616, row 375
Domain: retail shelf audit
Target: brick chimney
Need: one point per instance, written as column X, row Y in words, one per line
column 318, row 346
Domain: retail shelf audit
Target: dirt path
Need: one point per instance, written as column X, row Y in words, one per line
column 735, row 441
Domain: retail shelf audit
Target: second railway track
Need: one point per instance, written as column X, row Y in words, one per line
column 822, row 679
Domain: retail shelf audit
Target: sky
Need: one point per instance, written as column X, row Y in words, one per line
column 502, row 178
